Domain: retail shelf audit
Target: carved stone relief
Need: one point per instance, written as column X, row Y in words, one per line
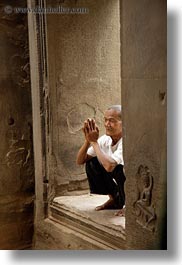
column 143, row 207
column 76, row 116
column 18, row 153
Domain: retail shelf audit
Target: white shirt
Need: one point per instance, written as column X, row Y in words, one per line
column 115, row 151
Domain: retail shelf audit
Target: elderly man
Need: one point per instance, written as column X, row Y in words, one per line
column 104, row 159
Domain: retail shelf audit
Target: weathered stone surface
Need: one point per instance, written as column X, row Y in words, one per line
column 16, row 221
column 56, row 236
column 84, row 205
column 144, row 147
column 144, row 98
column 16, row 153
column 143, row 39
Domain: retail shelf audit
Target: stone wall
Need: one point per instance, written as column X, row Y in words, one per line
column 16, row 154
column 144, row 85
column 84, row 79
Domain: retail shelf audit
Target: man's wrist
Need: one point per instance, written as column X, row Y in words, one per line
column 94, row 143
column 87, row 143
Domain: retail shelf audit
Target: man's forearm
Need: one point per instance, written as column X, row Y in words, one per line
column 82, row 153
column 107, row 161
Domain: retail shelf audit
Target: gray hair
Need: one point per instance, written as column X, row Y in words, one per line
column 117, row 108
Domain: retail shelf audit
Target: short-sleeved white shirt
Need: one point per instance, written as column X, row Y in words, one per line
column 115, row 151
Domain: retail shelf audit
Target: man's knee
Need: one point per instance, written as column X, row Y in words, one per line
column 93, row 164
column 118, row 169
column 118, row 173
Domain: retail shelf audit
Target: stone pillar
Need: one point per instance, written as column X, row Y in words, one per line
column 16, row 154
column 143, row 79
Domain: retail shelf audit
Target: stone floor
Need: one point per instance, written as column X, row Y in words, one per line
column 84, row 205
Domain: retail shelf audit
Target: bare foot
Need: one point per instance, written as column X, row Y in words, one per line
column 107, row 205
column 121, row 212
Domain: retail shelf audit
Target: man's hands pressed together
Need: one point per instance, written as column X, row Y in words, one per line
column 91, row 131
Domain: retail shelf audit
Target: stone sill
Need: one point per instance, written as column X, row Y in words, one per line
column 78, row 213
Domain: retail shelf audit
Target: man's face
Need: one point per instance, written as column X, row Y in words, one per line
column 113, row 123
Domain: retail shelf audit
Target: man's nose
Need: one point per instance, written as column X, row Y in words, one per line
column 107, row 123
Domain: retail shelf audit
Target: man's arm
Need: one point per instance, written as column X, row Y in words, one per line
column 107, row 162
column 82, row 155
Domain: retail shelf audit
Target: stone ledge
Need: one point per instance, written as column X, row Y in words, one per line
column 78, row 214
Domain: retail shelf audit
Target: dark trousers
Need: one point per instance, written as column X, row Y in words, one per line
column 106, row 183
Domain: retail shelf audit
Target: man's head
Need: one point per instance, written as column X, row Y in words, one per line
column 113, row 122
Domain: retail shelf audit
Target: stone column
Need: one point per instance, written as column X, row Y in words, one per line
column 16, row 152
column 143, row 78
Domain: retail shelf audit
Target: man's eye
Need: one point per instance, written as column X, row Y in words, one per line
column 110, row 120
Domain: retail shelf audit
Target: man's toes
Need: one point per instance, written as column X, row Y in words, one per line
column 100, row 207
